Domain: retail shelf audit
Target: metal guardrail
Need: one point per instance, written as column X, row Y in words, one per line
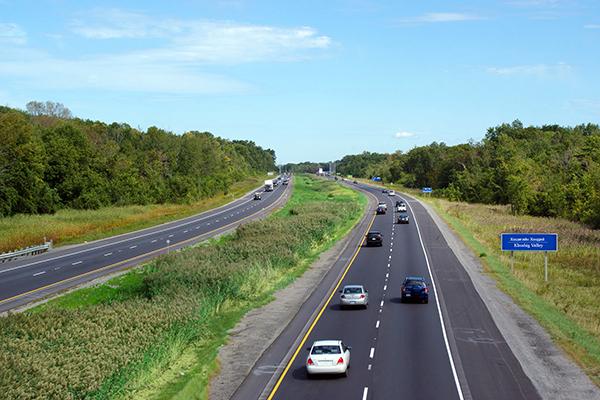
column 31, row 250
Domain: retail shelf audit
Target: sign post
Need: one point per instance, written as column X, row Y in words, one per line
column 529, row 242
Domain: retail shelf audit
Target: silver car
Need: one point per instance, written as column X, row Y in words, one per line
column 354, row 296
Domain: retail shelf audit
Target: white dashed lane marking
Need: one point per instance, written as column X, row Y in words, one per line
column 39, row 273
column 108, row 254
column 76, row 262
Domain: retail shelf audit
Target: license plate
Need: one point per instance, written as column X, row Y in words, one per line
column 408, row 295
column 326, row 362
column 352, row 302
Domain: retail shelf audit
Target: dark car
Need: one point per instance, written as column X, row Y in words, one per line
column 257, row 196
column 414, row 288
column 374, row 238
column 402, row 218
column 381, row 209
column 400, row 203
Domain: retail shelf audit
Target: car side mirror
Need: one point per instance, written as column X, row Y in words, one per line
column 348, row 347
column 366, row 291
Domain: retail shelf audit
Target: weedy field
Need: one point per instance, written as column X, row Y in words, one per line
column 121, row 340
column 76, row 226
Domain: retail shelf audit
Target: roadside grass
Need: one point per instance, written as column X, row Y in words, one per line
column 155, row 332
column 568, row 306
column 78, row 226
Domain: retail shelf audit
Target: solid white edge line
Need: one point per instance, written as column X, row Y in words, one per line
column 439, row 309
column 365, row 392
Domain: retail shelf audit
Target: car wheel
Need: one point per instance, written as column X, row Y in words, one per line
column 426, row 301
column 345, row 373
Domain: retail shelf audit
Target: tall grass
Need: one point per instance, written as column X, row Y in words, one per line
column 76, row 226
column 117, row 342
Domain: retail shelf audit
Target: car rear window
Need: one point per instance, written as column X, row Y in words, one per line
column 415, row 283
column 352, row 290
column 326, row 350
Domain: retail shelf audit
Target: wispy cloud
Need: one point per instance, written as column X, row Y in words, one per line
column 203, row 41
column 437, row 17
column 537, row 70
column 173, row 62
column 11, row 33
column 403, row 134
column 592, row 26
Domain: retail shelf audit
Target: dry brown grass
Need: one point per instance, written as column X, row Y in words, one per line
column 71, row 226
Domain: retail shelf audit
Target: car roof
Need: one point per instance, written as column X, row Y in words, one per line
column 414, row 278
column 327, row 342
column 353, row 286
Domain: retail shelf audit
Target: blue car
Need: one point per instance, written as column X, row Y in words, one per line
column 414, row 288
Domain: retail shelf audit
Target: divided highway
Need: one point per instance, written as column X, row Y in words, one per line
column 32, row 278
column 447, row 349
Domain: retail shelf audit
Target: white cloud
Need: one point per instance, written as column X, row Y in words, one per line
column 592, row 26
column 537, row 70
column 441, row 17
column 403, row 134
column 203, row 41
column 172, row 62
column 12, row 34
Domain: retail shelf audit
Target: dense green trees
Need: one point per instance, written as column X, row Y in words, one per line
column 49, row 162
column 546, row 171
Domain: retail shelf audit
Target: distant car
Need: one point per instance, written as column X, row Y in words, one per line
column 402, row 218
column 257, row 196
column 286, row 181
column 374, row 238
column 399, row 202
column 401, row 208
column 414, row 288
column 354, row 295
column 328, row 357
column 384, row 191
column 355, row 182
column 382, row 204
column 391, row 193
column 381, row 209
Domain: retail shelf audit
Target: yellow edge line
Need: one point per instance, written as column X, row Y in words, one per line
column 314, row 323
column 136, row 257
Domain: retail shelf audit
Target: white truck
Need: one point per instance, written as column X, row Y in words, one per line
column 269, row 185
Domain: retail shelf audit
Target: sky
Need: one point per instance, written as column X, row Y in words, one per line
column 313, row 80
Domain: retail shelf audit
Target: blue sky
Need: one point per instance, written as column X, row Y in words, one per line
column 314, row 80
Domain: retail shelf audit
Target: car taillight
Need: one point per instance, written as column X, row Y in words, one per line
column 426, row 290
column 310, row 361
column 362, row 296
column 340, row 360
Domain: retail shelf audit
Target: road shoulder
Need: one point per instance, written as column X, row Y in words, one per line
column 552, row 373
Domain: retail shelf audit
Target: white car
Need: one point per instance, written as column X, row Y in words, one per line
column 401, row 208
column 391, row 193
column 354, row 296
column 328, row 357
column 382, row 204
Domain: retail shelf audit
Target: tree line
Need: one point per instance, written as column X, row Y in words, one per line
column 548, row 170
column 50, row 161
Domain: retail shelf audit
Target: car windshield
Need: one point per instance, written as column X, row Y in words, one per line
column 374, row 233
column 333, row 349
column 415, row 283
column 352, row 290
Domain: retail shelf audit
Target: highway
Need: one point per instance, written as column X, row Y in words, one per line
column 29, row 279
column 447, row 349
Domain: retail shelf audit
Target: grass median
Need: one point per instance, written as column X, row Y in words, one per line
column 77, row 226
column 155, row 332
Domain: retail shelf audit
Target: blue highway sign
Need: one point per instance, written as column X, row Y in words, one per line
column 529, row 241
column 427, row 190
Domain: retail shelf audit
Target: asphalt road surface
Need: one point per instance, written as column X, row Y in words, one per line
column 29, row 279
column 447, row 349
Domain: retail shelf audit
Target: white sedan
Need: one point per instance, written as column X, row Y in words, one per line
column 328, row 357
column 391, row 193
